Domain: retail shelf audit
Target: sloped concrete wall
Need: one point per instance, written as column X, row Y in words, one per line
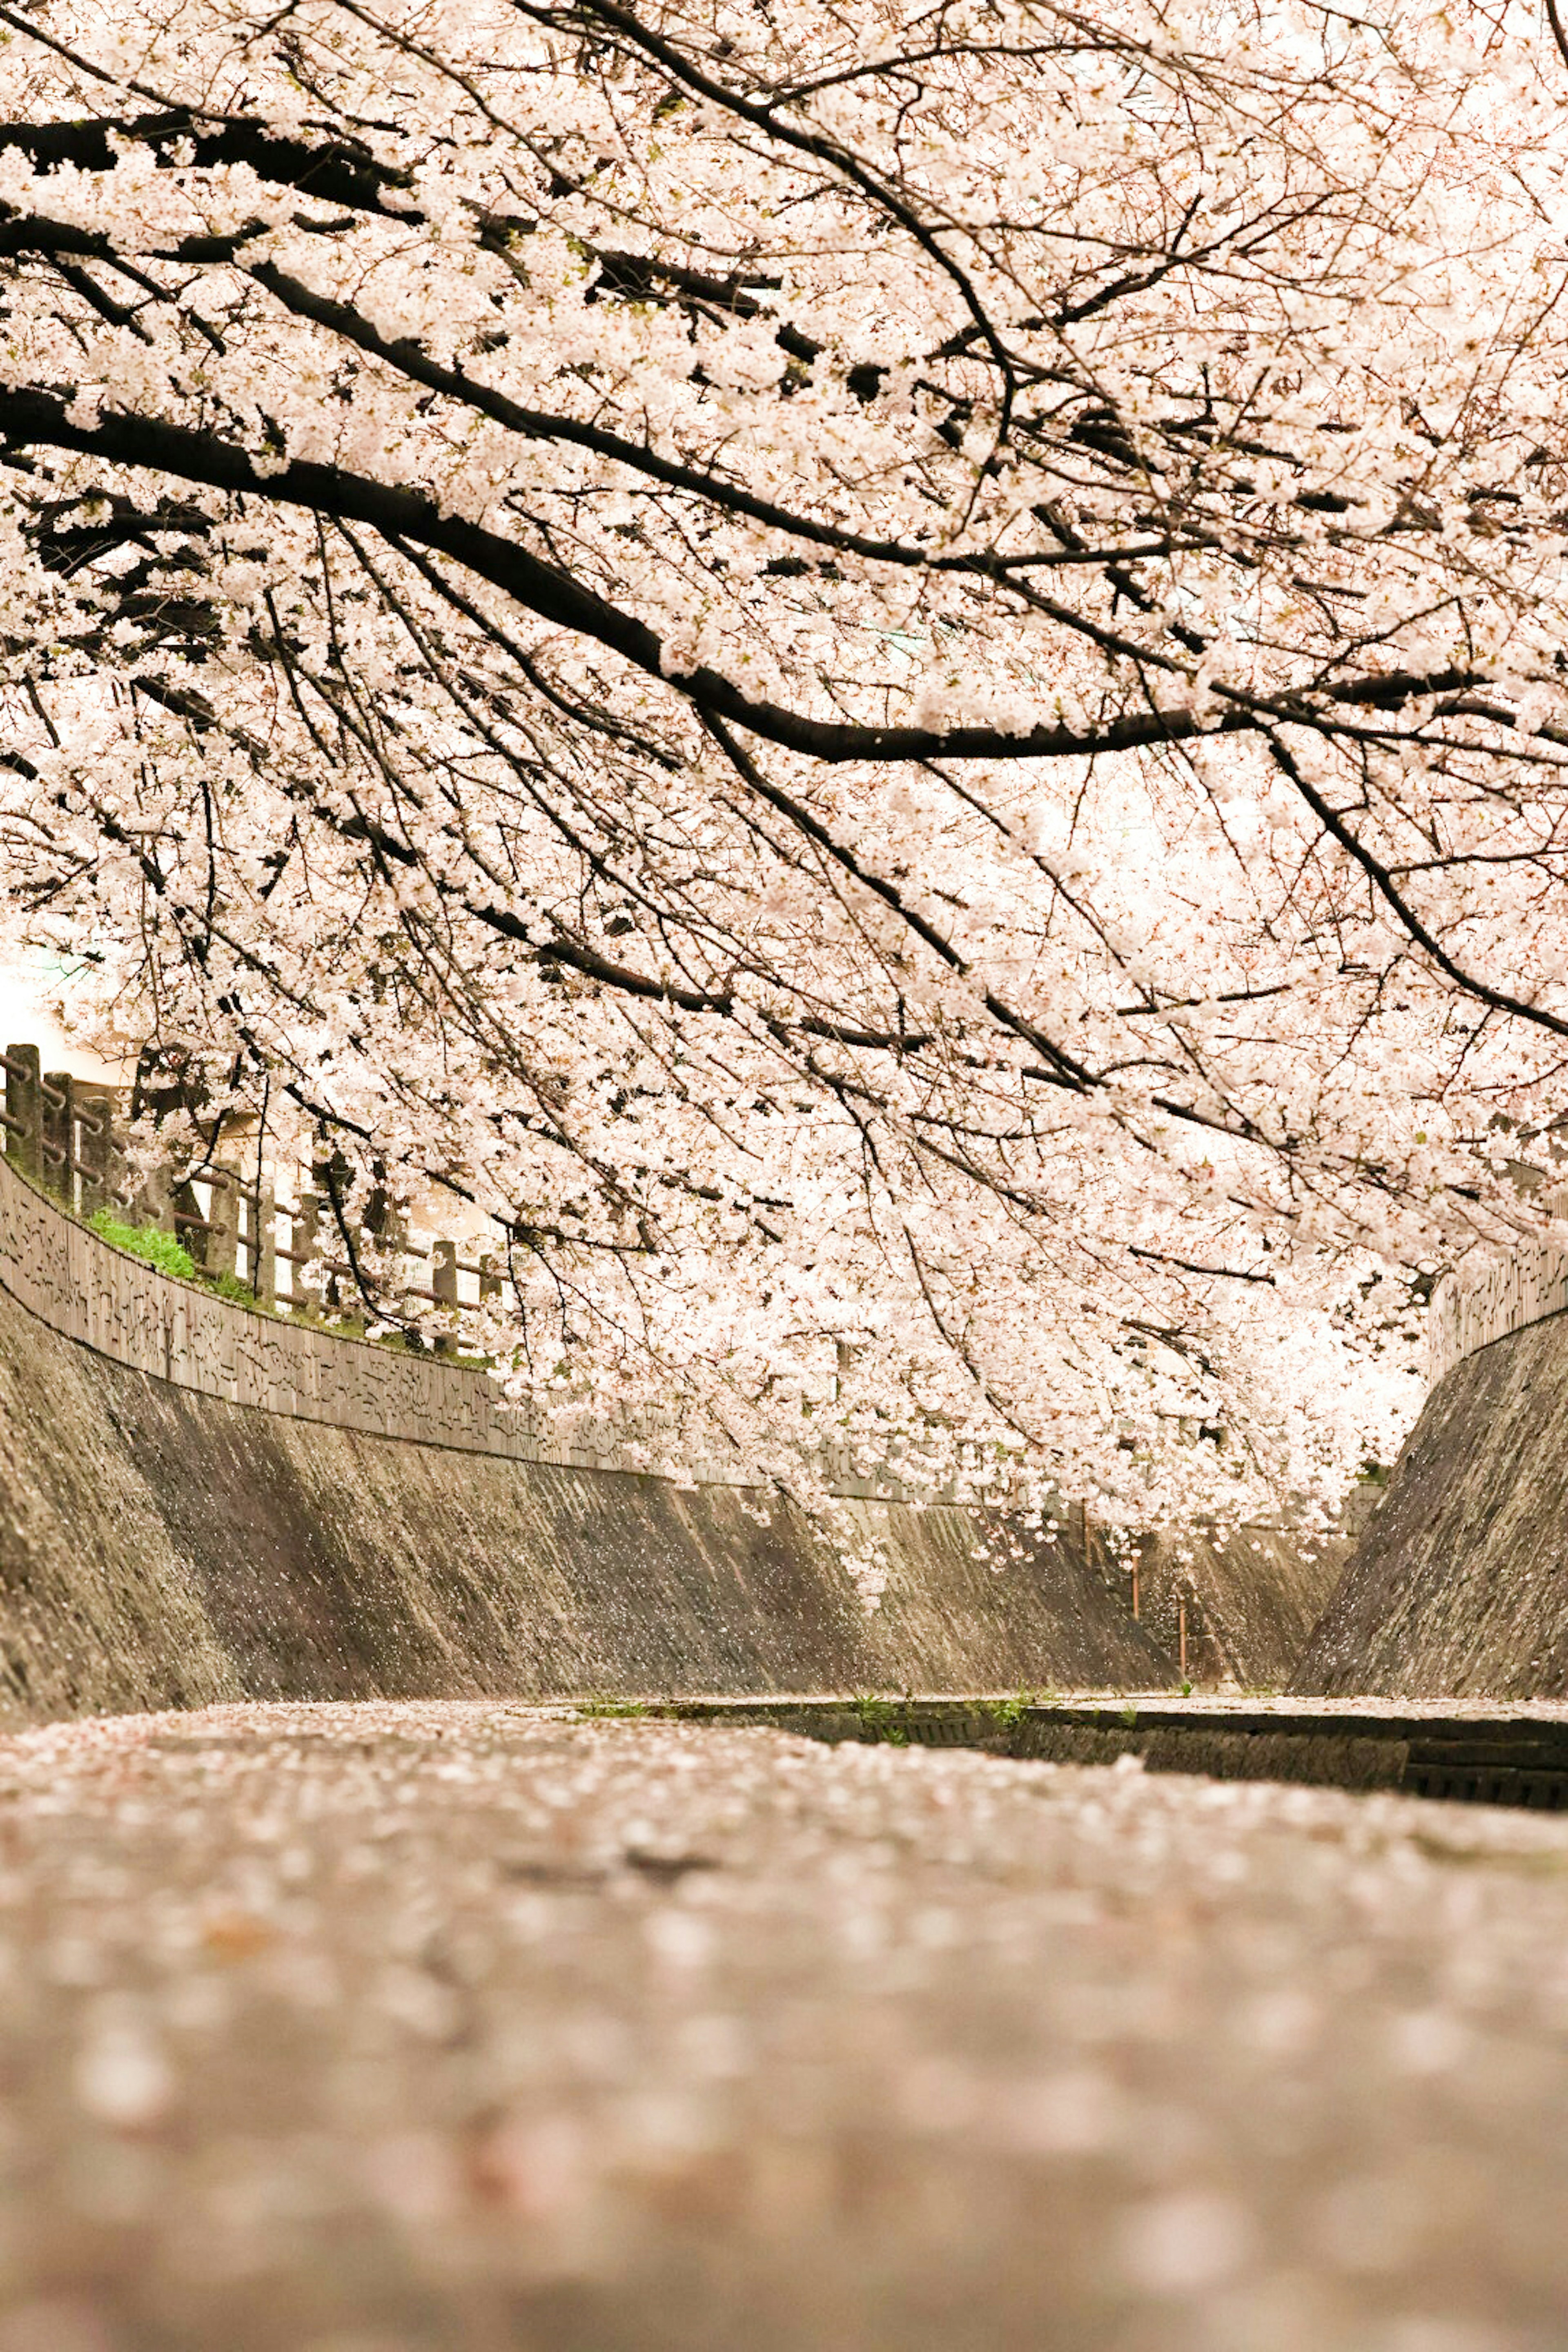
column 1459, row 1584
column 196, row 1505
column 1492, row 1292
column 199, row 1502
column 1251, row 1603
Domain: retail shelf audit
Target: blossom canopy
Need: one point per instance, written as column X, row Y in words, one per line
column 890, row 681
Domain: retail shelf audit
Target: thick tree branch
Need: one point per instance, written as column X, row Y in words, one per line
column 34, row 419
column 331, row 170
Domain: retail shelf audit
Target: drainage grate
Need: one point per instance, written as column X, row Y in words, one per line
column 1545, row 1792
column 1515, row 1759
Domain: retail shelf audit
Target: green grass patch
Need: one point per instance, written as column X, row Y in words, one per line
column 155, row 1246
column 163, row 1250
column 1007, row 1714
column 879, row 1720
column 229, row 1286
column 149, row 1242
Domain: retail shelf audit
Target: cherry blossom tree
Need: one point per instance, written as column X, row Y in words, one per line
column 888, row 681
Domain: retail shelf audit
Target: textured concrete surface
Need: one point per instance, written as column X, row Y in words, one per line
column 451, row 2028
column 181, row 1333
column 196, row 1504
column 199, row 1502
column 1460, row 1580
column 1248, row 1605
column 1489, row 1293
column 161, row 1548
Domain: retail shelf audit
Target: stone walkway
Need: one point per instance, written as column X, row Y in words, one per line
column 482, row 2029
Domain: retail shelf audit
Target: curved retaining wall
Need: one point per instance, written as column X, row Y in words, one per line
column 181, row 1333
column 1246, row 1606
column 1459, row 1586
column 198, row 1502
column 1459, row 1583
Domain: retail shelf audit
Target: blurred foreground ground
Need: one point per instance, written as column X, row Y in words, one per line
column 452, row 2028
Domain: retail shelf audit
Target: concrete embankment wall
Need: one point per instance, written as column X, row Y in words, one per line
column 1242, row 1611
column 198, row 1502
column 1459, row 1584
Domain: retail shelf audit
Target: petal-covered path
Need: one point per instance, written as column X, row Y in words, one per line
column 464, row 2028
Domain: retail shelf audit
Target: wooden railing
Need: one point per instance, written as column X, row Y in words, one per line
column 68, row 1135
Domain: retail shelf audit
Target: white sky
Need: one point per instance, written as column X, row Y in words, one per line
column 33, row 992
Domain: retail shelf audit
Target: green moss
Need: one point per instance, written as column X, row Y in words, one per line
column 592, row 1709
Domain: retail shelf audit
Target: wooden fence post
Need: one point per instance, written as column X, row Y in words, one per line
column 262, row 1207
column 25, row 1112
column 154, row 1202
column 186, row 1215
column 60, row 1135
column 444, row 1288
column 306, row 1242
column 219, row 1253
column 331, row 1173
column 96, row 1148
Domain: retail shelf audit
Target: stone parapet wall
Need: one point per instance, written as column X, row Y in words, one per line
column 1472, row 1307
column 1490, row 1293
column 88, row 1291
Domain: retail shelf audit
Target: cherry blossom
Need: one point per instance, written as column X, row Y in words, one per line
column 885, row 686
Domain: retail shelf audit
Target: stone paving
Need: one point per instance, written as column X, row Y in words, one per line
column 474, row 2028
